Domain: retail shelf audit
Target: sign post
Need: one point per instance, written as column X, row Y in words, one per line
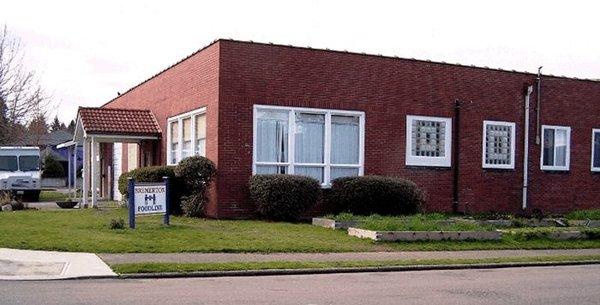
column 148, row 199
column 131, row 202
column 167, row 200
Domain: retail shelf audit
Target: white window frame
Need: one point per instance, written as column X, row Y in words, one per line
column 445, row 161
column 513, row 127
column 594, row 169
column 567, row 154
column 327, row 165
column 179, row 118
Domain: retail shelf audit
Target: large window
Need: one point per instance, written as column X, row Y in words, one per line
column 498, row 145
column 556, row 145
column 596, row 150
column 428, row 141
column 323, row 144
column 186, row 135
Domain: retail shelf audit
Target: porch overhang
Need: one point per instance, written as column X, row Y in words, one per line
column 108, row 125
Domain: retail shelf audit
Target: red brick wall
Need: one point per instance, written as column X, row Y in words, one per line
column 230, row 77
column 188, row 85
column 387, row 90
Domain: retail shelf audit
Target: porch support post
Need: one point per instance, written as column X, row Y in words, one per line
column 75, row 170
column 69, row 167
column 86, row 173
column 95, row 172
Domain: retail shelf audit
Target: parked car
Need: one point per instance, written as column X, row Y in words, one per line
column 20, row 171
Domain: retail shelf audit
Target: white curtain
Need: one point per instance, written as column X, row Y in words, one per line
column 314, row 172
column 597, row 149
column 560, row 141
column 270, row 169
column 337, row 172
column 272, row 136
column 344, row 140
column 310, row 136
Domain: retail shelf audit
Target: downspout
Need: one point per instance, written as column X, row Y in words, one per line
column 539, row 105
column 526, row 146
column 455, row 150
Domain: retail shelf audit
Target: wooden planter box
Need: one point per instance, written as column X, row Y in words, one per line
column 334, row 224
column 424, row 235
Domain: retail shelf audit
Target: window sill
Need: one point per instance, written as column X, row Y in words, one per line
column 556, row 171
column 428, row 167
column 498, row 170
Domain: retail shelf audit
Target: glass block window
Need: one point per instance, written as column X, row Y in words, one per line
column 428, row 141
column 596, row 150
column 428, row 138
column 498, row 145
column 556, row 145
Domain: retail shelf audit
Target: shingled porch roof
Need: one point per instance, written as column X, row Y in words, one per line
column 118, row 121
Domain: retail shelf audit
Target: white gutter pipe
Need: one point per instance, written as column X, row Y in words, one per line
column 526, row 148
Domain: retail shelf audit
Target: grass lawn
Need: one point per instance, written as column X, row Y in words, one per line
column 52, row 196
column 195, row 267
column 88, row 231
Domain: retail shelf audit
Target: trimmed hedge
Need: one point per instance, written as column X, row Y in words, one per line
column 146, row 174
column 375, row 195
column 284, row 197
column 196, row 173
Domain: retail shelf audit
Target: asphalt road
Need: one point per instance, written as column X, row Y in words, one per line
column 576, row 285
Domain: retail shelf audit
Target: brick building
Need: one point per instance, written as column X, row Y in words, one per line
column 457, row 131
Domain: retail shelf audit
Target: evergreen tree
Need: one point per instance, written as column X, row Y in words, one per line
column 55, row 124
column 71, row 127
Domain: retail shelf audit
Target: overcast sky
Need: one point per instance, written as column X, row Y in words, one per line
column 87, row 52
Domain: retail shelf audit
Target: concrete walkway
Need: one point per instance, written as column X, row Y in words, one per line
column 49, row 265
column 352, row 256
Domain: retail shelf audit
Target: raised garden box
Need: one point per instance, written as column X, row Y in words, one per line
column 424, row 235
column 585, row 223
column 334, row 224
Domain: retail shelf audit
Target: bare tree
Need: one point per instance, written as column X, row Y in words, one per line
column 20, row 92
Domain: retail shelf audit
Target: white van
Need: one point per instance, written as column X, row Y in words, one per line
column 20, row 171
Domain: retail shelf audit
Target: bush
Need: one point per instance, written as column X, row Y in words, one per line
column 52, row 168
column 146, row 174
column 117, row 224
column 375, row 195
column 17, row 205
column 193, row 205
column 196, row 174
column 584, row 214
column 284, row 197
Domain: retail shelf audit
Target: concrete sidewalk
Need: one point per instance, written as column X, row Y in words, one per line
column 351, row 256
column 49, row 265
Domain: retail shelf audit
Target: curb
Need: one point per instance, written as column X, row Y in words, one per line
column 271, row 272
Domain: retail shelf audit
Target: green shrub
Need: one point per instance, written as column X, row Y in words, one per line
column 117, row 224
column 284, row 197
column 17, row 205
column 584, row 214
column 375, row 195
column 52, row 168
column 155, row 174
column 146, row 174
column 196, row 173
column 193, row 205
